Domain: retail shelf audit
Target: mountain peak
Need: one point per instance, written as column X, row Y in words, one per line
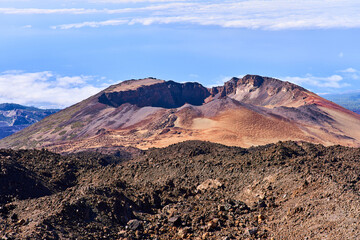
column 13, row 106
column 254, row 80
column 263, row 91
column 150, row 112
column 133, row 84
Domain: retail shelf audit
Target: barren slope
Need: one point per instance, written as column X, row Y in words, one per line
column 149, row 112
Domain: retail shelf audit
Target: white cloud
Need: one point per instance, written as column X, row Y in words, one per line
column 323, row 94
column 45, row 88
column 341, row 55
column 70, row 81
column 22, row 11
column 91, row 24
column 334, row 81
column 81, row 11
column 351, row 73
column 349, row 70
column 253, row 14
column 193, row 75
column 134, row 1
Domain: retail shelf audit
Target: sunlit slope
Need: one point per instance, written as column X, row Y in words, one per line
column 146, row 113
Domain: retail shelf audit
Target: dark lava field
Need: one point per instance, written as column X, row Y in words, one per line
column 189, row 190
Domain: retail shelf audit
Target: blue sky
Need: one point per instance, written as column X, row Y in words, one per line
column 56, row 53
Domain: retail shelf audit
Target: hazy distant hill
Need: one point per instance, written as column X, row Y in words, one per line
column 14, row 117
column 347, row 100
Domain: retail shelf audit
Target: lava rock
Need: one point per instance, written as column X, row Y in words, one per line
column 175, row 220
column 252, row 231
column 134, row 224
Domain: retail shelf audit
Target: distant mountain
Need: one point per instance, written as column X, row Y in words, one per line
column 347, row 100
column 145, row 113
column 15, row 117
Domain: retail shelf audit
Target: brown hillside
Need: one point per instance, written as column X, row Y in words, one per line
column 149, row 112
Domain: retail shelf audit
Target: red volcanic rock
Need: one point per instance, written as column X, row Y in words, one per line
column 260, row 91
column 149, row 112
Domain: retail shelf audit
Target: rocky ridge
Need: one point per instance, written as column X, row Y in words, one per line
column 247, row 111
column 163, row 94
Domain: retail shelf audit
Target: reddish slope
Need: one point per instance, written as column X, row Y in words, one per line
column 147, row 113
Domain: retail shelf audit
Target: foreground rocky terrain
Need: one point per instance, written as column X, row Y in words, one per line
column 189, row 190
column 145, row 113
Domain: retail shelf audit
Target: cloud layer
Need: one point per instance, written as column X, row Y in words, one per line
column 253, row 14
column 333, row 81
column 45, row 89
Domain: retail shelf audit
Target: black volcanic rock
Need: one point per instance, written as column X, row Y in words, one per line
column 167, row 95
column 309, row 190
